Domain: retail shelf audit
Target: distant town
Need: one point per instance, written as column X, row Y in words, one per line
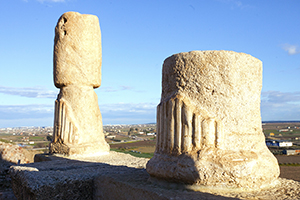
column 281, row 137
column 38, row 138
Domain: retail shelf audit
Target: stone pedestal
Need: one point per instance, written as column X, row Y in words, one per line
column 118, row 176
column 209, row 124
column 77, row 71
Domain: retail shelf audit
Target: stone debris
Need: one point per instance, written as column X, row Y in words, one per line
column 77, row 71
column 15, row 154
column 11, row 155
column 209, row 124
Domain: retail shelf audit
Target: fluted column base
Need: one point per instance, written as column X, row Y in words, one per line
column 215, row 168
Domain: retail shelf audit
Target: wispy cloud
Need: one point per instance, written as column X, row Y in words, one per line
column 236, row 4
column 26, row 111
column 128, row 113
column 291, row 49
column 276, row 105
column 43, row 114
column 113, row 89
column 281, row 97
column 26, row 115
column 30, row 92
column 125, row 87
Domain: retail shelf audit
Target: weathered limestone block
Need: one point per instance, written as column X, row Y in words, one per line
column 209, row 123
column 77, row 50
column 77, row 71
column 10, row 153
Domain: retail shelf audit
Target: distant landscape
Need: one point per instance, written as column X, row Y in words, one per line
column 140, row 139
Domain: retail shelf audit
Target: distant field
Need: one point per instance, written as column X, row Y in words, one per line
column 283, row 159
column 143, row 149
column 293, row 128
column 134, row 144
column 289, row 165
column 290, row 172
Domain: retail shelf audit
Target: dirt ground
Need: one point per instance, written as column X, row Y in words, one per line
column 288, row 159
column 290, row 172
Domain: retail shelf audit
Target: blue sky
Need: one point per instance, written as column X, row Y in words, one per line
column 137, row 35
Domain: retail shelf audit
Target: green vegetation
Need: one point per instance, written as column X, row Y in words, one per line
column 37, row 138
column 277, row 133
column 134, row 153
column 289, row 164
column 6, row 141
column 267, row 132
column 40, row 145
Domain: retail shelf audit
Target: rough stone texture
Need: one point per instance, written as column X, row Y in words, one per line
column 77, row 71
column 77, row 50
column 209, row 123
column 117, row 176
column 15, row 154
column 10, row 155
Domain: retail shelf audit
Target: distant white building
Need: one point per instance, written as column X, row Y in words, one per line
column 110, row 136
column 278, row 143
column 285, row 144
column 283, row 130
column 151, row 133
column 291, row 151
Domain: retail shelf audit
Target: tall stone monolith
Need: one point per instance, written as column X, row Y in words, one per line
column 209, row 124
column 77, row 71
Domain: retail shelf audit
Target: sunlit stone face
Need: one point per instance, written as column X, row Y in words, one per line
column 77, row 71
column 209, row 124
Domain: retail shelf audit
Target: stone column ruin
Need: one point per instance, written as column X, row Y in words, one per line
column 209, row 129
column 77, row 71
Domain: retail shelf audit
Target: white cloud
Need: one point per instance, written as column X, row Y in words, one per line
column 30, row 92
column 43, row 114
column 29, row 110
column 276, row 105
column 128, row 113
column 280, row 97
column 291, row 49
column 117, row 89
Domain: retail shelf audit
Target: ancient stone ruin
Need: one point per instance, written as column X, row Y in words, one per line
column 209, row 124
column 77, row 71
column 209, row 131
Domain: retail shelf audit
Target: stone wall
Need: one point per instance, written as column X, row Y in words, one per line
column 15, row 154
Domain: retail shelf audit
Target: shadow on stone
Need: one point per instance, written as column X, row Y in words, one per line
column 63, row 178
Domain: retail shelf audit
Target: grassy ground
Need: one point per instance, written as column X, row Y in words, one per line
column 134, row 153
column 141, row 149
